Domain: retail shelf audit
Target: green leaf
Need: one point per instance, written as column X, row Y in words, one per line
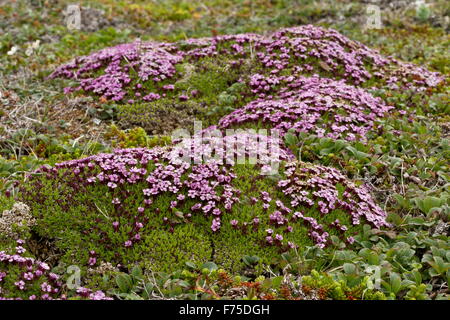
column 191, row 265
column 136, row 272
column 357, row 154
column 133, row 296
column 349, row 268
column 395, row 282
column 442, row 265
column 373, row 259
column 124, row 283
column 183, row 284
column 148, row 289
column 428, row 203
column 250, row 260
column 209, row 265
column 291, row 140
column 417, row 276
column 276, row 282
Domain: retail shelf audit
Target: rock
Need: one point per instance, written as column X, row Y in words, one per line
column 15, row 221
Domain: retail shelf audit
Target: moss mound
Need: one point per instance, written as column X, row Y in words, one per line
column 208, row 78
column 148, row 71
column 315, row 105
column 146, row 206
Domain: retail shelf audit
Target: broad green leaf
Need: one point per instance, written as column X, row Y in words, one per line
column 124, row 283
column 349, row 268
column 209, row 265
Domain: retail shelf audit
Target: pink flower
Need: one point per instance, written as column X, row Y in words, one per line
column 45, row 287
column 128, row 244
column 20, row 285
column 139, row 225
column 215, row 225
column 112, row 185
column 92, row 261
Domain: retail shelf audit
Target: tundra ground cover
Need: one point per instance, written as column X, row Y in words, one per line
column 148, row 194
column 315, row 105
column 291, row 51
column 374, row 151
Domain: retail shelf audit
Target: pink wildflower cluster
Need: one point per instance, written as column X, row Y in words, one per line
column 211, row 146
column 312, row 185
column 208, row 183
column 316, row 105
column 32, row 276
column 299, row 50
column 209, row 186
column 153, row 61
column 319, row 49
column 319, row 190
column 90, row 295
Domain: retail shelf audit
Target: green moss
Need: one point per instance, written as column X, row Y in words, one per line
column 211, row 87
column 80, row 219
column 161, row 116
column 135, row 137
column 188, row 242
column 6, row 203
